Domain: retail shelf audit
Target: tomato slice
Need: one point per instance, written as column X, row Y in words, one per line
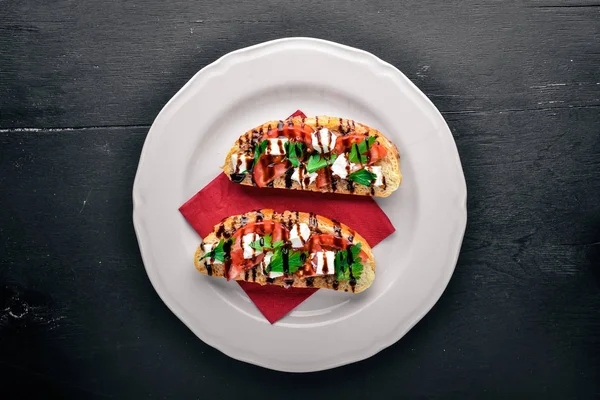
column 376, row 153
column 344, row 144
column 238, row 262
column 323, row 178
column 268, row 168
column 326, row 242
column 299, row 133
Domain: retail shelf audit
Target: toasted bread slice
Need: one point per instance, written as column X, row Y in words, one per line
column 247, row 144
column 317, row 225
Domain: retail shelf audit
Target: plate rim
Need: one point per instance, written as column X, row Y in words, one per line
column 380, row 345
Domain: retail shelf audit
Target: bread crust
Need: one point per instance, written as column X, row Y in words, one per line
column 228, row 226
column 390, row 163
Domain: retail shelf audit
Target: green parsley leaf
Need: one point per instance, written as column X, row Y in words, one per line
column 217, row 253
column 355, row 250
column 262, row 146
column 262, row 243
column 357, row 269
column 318, row 161
column 343, row 270
column 294, row 152
column 355, row 155
column 363, row 177
column 278, row 244
column 295, row 260
column 358, row 151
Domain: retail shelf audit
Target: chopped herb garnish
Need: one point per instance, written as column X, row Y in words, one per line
column 363, row 177
column 266, row 243
column 217, row 253
column 318, row 161
column 358, row 151
column 295, row 260
column 342, row 267
column 262, row 146
column 294, row 152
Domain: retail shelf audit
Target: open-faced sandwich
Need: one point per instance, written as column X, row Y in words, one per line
column 320, row 153
column 287, row 249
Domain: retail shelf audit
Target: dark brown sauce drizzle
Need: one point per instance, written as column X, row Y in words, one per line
column 313, row 222
column 280, row 127
column 220, row 230
column 349, row 255
column 332, row 179
column 208, row 268
column 270, row 280
column 317, row 122
column 259, row 216
column 285, row 260
column 350, row 186
column 256, row 135
column 337, row 228
column 384, row 183
column 237, row 178
column 280, row 146
column 310, row 281
column 244, row 220
column 227, row 248
column 341, row 125
column 350, row 238
column 325, row 265
column 352, row 282
column 336, row 284
column 227, row 266
column 288, row 178
column 246, row 274
column 254, row 274
column 372, row 190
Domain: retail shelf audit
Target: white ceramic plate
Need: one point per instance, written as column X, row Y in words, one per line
column 188, row 142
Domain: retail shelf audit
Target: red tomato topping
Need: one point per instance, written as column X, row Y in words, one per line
column 268, row 168
column 299, row 133
column 344, row 144
column 238, row 262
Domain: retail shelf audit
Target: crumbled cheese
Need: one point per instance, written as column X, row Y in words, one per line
column 276, row 147
column 320, row 258
column 207, row 247
column 323, row 141
column 248, row 238
column 339, row 166
column 296, row 176
column 299, row 234
column 379, row 176
column 266, row 262
column 242, row 159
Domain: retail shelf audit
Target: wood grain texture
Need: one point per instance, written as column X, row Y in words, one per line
column 518, row 84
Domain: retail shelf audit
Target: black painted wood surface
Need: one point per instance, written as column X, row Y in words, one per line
column 518, row 83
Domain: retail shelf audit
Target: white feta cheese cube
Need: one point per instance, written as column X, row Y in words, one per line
column 276, row 147
column 299, row 235
column 239, row 163
column 378, row 176
column 323, row 141
column 300, row 176
column 323, row 262
column 339, row 167
column 248, row 238
column 266, row 262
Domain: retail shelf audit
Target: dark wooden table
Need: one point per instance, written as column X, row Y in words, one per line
column 518, row 83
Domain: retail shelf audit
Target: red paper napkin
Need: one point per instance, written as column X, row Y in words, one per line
column 222, row 198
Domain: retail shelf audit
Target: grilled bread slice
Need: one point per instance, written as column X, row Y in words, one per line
column 324, row 235
column 249, row 162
